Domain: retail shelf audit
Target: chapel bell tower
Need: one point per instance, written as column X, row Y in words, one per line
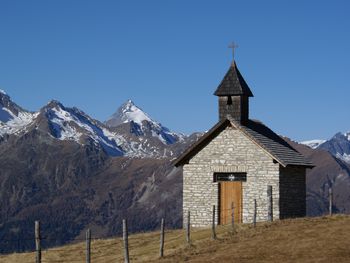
column 234, row 93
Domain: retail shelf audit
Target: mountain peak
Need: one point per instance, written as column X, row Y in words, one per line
column 54, row 104
column 8, row 109
column 129, row 102
column 4, row 98
column 13, row 118
column 128, row 112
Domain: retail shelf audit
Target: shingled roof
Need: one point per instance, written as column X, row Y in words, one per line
column 269, row 141
column 233, row 84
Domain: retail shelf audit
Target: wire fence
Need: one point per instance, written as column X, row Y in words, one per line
column 98, row 249
column 147, row 245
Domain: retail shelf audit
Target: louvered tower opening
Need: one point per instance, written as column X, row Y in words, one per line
column 234, row 93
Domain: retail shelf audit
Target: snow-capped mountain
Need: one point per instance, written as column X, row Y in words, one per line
column 131, row 132
column 142, row 124
column 13, row 119
column 72, row 124
column 338, row 145
column 126, row 113
column 313, row 143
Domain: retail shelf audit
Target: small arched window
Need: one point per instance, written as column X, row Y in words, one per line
column 229, row 100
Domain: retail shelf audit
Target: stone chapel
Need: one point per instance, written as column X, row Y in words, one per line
column 236, row 161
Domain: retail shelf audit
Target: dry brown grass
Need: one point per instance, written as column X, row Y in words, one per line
column 301, row 240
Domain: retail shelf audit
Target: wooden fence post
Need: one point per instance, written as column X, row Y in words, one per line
column 254, row 216
column 161, row 250
column 188, row 228
column 330, row 190
column 213, row 234
column 88, row 246
column 269, row 203
column 125, row 241
column 232, row 216
column 37, row 242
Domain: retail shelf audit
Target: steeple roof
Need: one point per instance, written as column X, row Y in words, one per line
column 233, row 84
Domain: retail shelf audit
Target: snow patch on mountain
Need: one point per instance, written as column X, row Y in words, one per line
column 13, row 119
column 313, row 143
column 128, row 112
column 6, row 115
column 60, row 120
column 13, row 124
column 345, row 157
column 73, row 124
column 347, row 135
column 133, row 113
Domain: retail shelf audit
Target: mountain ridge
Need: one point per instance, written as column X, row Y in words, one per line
column 149, row 138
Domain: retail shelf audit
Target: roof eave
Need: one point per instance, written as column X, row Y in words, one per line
column 310, row 166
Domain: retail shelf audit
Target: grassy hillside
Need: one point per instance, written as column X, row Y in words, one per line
column 321, row 239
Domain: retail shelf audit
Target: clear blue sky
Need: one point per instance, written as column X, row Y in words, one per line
column 169, row 57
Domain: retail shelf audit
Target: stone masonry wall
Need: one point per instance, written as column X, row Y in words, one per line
column 292, row 192
column 230, row 151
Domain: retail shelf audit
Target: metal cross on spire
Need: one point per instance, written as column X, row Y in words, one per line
column 233, row 45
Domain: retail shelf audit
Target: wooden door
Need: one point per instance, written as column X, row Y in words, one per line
column 230, row 192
